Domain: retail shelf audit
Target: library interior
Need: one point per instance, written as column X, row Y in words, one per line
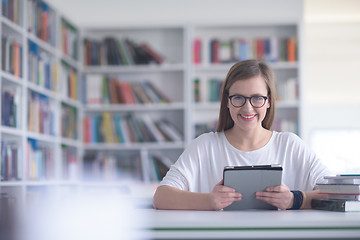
column 100, row 98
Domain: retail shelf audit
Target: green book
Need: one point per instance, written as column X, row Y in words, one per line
column 337, row 205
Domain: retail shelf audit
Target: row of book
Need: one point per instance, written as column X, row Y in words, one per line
column 43, row 69
column 112, row 51
column 41, row 21
column 69, row 36
column 341, row 193
column 272, row 49
column 205, row 127
column 39, row 161
column 11, row 9
column 287, row 90
column 107, row 128
column 11, row 105
column 10, row 165
column 41, row 114
column 101, row 166
column 12, row 55
column 102, row 89
column 69, row 81
column 207, row 91
column 160, row 166
column 68, row 121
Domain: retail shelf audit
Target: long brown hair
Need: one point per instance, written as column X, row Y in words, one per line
column 241, row 71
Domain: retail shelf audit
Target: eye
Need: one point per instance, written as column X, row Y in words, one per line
column 257, row 99
column 238, row 98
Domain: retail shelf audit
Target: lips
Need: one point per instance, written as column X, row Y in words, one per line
column 248, row 117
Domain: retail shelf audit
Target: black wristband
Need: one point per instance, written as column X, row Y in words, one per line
column 298, row 200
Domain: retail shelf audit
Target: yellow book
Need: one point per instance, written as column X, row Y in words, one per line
column 107, row 128
column 73, row 82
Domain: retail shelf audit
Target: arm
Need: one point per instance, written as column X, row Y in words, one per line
column 167, row 197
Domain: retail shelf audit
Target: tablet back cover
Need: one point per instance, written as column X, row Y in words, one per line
column 248, row 181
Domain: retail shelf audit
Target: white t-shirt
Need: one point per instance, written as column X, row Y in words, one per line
column 200, row 166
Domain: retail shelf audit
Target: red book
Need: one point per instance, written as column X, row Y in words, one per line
column 86, row 130
column 291, row 49
column 157, row 58
column 16, row 59
column 215, row 46
column 65, row 44
column 44, row 26
column 197, row 51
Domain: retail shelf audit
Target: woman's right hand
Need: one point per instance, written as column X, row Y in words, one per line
column 222, row 196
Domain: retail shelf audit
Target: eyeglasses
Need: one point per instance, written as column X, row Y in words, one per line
column 255, row 101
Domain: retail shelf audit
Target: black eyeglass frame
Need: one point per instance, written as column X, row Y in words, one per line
column 247, row 98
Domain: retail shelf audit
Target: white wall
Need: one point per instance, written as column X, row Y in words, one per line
column 331, row 93
column 113, row 13
column 331, row 64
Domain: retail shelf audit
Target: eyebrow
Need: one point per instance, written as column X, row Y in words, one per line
column 254, row 95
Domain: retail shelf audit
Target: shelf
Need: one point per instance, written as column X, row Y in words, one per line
column 70, row 101
column 70, row 61
column 44, row 45
column 289, row 104
column 133, row 146
column 42, row 90
column 11, row 77
column 42, row 137
column 207, row 106
column 134, row 107
column 135, row 68
column 12, row 25
column 12, row 183
column 11, row 131
column 70, row 142
column 224, row 67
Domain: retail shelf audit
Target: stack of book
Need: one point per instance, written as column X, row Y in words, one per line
column 341, row 193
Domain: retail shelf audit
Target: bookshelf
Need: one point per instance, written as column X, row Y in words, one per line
column 134, row 127
column 40, row 100
column 216, row 47
column 72, row 122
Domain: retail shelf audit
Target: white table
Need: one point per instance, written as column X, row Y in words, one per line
column 303, row 224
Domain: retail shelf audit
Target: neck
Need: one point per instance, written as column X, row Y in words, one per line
column 248, row 140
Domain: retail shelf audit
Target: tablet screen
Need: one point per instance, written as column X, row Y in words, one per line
column 248, row 180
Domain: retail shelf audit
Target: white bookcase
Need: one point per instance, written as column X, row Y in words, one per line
column 78, row 161
column 170, row 78
column 205, row 109
column 30, row 174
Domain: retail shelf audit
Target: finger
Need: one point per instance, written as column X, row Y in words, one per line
column 221, row 182
column 266, row 194
column 275, row 188
column 230, row 195
column 225, row 189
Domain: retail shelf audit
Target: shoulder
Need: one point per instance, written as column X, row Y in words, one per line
column 287, row 138
column 209, row 138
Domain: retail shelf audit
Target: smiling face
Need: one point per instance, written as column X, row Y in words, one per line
column 247, row 117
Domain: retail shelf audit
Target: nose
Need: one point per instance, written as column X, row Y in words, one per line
column 247, row 105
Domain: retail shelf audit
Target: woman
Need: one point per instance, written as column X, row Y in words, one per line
column 242, row 137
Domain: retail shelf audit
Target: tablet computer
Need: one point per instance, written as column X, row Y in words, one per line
column 248, row 180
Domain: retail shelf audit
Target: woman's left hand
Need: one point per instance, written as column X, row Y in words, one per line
column 278, row 196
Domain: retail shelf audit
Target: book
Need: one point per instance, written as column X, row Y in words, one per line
column 343, row 196
column 339, row 188
column 337, row 205
column 343, row 179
